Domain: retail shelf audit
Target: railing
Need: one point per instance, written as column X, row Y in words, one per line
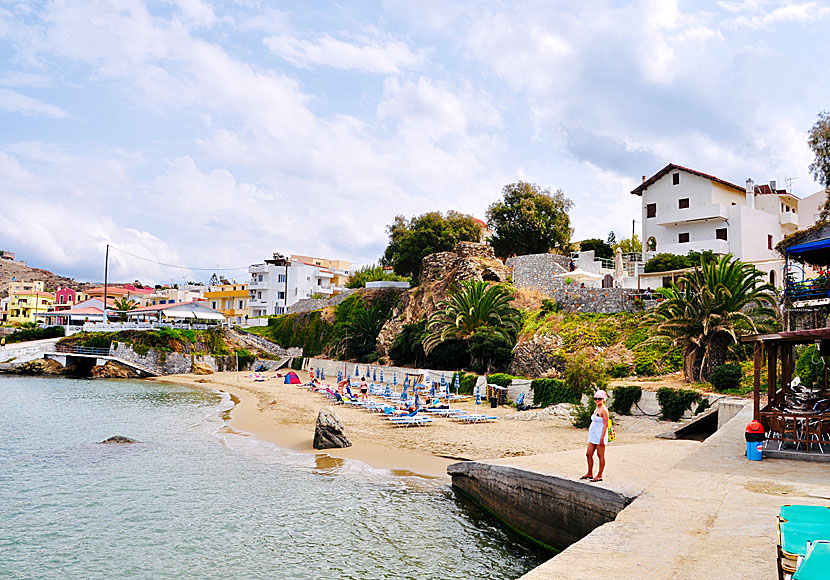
column 811, row 289
column 83, row 350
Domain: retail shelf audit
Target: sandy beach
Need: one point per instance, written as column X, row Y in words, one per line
column 285, row 415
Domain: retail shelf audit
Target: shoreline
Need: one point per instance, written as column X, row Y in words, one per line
column 286, row 415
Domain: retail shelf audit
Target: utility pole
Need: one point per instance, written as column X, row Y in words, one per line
column 106, row 274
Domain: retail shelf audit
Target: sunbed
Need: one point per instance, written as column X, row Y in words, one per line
column 475, row 418
column 415, row 421
column 816, row 563
column 798, row 525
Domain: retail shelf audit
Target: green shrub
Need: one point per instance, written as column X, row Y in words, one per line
column 584, row 375
column 467, row 383
column 619, row 370
column 645, row 363
column 26, row 334
column 624, row 398
column 581, row 414
column 244, row 358
column 702, row 406
column 808, row 366
column 726, row 376
column 500, row 379
column 547, row 392
column 675, row 402
column 549, row 306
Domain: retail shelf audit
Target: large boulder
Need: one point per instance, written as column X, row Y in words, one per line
column 119, row 439
column 201, row 369
column 41, row 366
column 113, row 370
column 329, row 431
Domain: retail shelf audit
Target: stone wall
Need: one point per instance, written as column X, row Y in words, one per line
column 311, row 304
column 170, row 363
column 602, row 300
column 538, row 271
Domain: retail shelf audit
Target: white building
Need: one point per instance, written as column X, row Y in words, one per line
column 685, row 210
column 809, row 209
column 280, row 282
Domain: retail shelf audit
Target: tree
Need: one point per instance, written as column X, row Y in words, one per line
column 819, row 142
column 529, row 220
column 410, row 241
column 629, row 245
column 124, row 305
column 600, row 248
column 720, row 301
column 473, row 306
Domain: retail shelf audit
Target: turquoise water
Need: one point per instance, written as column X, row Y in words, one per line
column 195, row 501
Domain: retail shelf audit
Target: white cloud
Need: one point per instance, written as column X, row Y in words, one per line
column 368, row 55
column 18, row 103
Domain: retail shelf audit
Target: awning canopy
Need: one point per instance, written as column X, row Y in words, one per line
column 580, row 275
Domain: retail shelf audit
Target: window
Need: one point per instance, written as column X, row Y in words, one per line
column 675, row 179
column 213, row 304
column 683, row 238
column 769, row 241
column 280, row 295
column 651, row 210
column 241, row 304
column 683, row 203
column 279, row 310
column 772, row 277
column 319, row 282
column 720, row 234
column 259, row 277
column 281, row 278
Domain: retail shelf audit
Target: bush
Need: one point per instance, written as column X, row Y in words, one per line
column 808, row 366
column 244, row 358
column 26, row 334
column 549, row 306
column 583, row 375
column 581, row 415
column 619, row 370
column 675, row 402
column 726, row 376
column 645, row 363
column 467, row 383
column 547, row 392
column 624, row 398
column 500, row 379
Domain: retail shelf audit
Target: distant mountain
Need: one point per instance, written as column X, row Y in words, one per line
column 23, row 273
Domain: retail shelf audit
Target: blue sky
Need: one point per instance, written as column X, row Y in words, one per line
column 211, row 134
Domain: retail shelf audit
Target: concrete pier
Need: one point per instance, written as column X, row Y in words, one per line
column 702, row 510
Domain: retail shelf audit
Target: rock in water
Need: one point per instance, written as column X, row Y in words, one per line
column 119, row 439
column 329, row 432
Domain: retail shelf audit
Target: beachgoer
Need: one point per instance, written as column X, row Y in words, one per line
column 311, row 374
column 3, row 343
column 571, row 266
column 364, row 389
column 597, row 437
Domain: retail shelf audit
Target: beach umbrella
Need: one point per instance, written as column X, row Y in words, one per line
column 403, row 392
column 339, row 376
column 381, row 375
column 322, row 374
column 432, row 391
column 388, row 393
column 356, row 371
column 375, row 376
column 395, row 378
column 443, row 380
column 417, row 401
column 457, row 383
column 478, row 396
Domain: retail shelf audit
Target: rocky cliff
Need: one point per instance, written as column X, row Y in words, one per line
column 439, row 273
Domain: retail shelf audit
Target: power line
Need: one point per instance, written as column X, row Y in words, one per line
column 176, row 265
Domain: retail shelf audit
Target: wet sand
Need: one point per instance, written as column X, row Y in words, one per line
column 285, row 415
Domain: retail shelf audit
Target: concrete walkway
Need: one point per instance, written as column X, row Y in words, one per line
column 704, row 510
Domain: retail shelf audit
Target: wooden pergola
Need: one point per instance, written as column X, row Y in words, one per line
column 779, row 345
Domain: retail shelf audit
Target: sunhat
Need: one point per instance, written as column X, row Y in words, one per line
column 600, row 394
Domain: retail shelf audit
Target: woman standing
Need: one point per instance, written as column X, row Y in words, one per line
column 597, row 437
column 364, row 389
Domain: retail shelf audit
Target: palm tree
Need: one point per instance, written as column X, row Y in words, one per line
column 360, row 332
column 476, row 305
column 709, row 309
column 123, row 305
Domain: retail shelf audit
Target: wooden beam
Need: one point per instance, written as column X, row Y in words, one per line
column 772, row 371
column 756, row 397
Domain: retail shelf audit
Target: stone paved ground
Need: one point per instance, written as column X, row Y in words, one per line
column 704, row 511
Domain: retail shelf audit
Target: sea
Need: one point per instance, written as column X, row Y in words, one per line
column 196, row 499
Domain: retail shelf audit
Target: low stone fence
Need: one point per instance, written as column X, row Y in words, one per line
column 171, row 363
column 596, row 300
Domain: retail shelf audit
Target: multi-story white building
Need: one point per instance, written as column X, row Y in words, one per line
column 280, row 282
column 685, row 210
column 341, row 269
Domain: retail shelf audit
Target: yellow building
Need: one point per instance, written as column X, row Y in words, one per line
column 342, row 269
column 230, row 299
column 24, row 305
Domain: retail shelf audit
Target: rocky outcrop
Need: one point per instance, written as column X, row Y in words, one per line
column 112, row 370
column 439, row 273
column 119, row 439
column 41, row 366
column 534, row 356
column 201, row 369
column 329, row 433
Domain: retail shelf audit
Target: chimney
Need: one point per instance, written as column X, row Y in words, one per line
column 772, row 185
column 750, row 192
column 644, row 178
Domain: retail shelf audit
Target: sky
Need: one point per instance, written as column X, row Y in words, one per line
column 210, row 134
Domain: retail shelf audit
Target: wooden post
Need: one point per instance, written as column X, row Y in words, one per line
column 756, row 397
column 786, row 365
column 772, row 372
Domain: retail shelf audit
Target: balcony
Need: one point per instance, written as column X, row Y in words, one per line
column 788, row 221
column 705, row 213
column 717, row 246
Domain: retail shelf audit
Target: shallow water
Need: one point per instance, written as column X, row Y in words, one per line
column 196, row 500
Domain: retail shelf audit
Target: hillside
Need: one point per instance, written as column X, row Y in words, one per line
column 23, row 273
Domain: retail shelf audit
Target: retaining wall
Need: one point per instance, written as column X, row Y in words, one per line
column 171, row 363
column 554, row 511
column 311, row 304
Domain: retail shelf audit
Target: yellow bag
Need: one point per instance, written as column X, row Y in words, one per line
column 612, row 434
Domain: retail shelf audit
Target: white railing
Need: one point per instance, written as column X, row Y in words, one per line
column 119, row 326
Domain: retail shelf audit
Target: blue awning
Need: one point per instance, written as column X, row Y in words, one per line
column 809, row 246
